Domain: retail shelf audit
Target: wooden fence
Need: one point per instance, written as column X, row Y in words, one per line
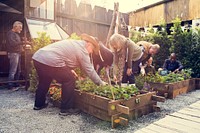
column 84, row 19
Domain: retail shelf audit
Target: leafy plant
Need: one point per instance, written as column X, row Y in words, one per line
column 55, row 92
column 142, row 81
column 74, row 36
column 38, row 43
column 42, row 40
column 107, row 91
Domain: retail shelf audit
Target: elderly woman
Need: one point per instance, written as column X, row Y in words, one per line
column 127, row 57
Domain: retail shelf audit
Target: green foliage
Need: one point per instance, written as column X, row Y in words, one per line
column 186, row 45
column 33, row 80
column 157, row 78
column 38, row 43
column 74, row 36
column 41, row 41
column 106, row 91
column 160, row 37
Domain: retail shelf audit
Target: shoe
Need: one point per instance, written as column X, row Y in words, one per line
column 71, row 111
column 39, row 108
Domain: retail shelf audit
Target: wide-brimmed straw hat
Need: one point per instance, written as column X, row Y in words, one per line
column 93, row 41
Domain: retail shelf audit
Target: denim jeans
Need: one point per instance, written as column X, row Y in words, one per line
column 15, row 68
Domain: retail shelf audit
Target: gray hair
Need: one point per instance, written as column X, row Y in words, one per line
column 16, row 23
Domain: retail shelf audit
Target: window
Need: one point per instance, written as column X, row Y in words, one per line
column 42, row 9
column 51, row 28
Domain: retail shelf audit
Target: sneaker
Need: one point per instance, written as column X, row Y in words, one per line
column 39, row 108
column 71, row 111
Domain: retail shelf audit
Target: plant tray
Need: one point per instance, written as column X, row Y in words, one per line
column 117, row 111
column 171, row 90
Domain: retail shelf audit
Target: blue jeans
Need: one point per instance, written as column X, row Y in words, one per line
column 15, row 68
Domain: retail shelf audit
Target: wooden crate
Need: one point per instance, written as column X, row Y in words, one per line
column 117, row 111
column 171, row 90
column 197, row 82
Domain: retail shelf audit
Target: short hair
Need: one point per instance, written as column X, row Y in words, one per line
column 173, row 56
column 16, row 23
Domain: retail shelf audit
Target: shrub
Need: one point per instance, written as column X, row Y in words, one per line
column 38, row 43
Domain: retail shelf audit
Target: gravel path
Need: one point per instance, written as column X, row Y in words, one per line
column 17, row 116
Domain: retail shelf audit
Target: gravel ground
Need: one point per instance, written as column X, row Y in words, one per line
column 17, row 116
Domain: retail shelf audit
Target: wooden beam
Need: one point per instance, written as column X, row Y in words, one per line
column 3, row 53
column 63, row 15
column 122, row 109
column 112, row 25
column 15, row 81
column 158, row 98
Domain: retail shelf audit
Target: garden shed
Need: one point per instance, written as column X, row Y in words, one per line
column 166, row 10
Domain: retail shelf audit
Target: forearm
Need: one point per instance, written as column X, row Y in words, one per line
column 88, row 68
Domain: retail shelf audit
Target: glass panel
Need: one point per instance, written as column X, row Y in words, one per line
column 51, row 28
column 50, row 9
column 43, row 10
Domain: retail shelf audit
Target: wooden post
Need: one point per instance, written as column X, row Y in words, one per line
column 112, row 26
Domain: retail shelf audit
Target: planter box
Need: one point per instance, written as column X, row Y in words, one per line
column 171, row 90
column 197, row 81
column 117, row 111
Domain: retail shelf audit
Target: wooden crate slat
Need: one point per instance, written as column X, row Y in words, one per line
column 158, row 98
column 139, row 100
column 116, row 111
column 174, row 89
column 91, row 99
column 122, row 109
column 94, row 111
column 133, row 103
column 197, row 83
column 136, row 113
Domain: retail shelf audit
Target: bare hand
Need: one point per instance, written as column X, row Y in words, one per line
column 129, row 71
column 115, row 79
column 175, row 71
column 74, row 74
column 104, row 83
